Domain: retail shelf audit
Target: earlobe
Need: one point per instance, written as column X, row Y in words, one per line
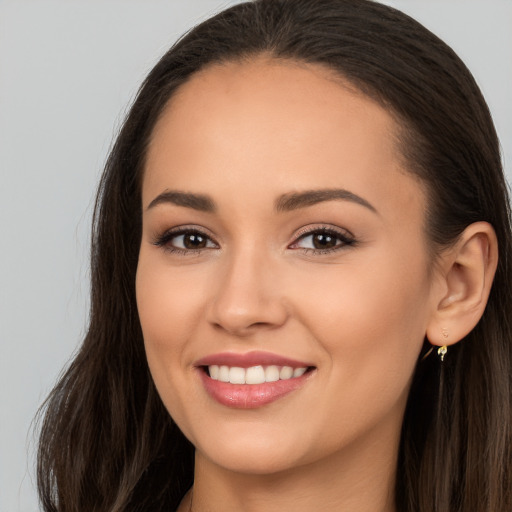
column 466, row 271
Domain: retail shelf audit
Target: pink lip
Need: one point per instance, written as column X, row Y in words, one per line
column 250, row 396
column 249, row 359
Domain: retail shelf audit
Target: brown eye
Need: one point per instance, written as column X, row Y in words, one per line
column 324, row 241
column 185, row 241
column 194, row 241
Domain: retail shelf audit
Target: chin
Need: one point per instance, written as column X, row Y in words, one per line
column 252, row 462
column 257, row 452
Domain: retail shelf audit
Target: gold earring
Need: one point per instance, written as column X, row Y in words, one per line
column 441, row 352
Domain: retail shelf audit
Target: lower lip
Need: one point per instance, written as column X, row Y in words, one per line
column 250, row 396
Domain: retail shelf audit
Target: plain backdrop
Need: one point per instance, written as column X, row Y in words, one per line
column 68, row 71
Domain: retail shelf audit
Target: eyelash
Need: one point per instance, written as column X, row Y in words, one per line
column 165, row 239
column 345, row 239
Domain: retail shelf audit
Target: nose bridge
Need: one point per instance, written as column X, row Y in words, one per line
column 247, row 291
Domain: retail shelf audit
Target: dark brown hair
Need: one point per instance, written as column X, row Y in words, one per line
column 108, row 444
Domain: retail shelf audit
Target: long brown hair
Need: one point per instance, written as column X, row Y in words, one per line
column 108, row 444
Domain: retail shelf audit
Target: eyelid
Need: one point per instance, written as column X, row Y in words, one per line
column 163, row 239
column 346, row 237
column 313, row 228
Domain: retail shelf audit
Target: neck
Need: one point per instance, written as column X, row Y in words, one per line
column 358, row 478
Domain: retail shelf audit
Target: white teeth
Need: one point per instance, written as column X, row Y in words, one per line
column 214, row 371
column 286, row 373
column 299, row 371
column 271, row 373
column 224, row 373
column 236, row 375
column 254, row 374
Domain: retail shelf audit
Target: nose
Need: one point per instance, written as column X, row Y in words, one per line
column 248, row 296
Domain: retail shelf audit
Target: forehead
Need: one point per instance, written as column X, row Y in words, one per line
column 273, row 126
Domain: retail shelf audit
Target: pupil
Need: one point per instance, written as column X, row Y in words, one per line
column 193, row 241
column 323, row 241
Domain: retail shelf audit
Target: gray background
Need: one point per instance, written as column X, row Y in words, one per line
column 68, row 70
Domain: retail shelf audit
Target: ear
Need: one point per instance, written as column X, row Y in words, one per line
column 463, row 282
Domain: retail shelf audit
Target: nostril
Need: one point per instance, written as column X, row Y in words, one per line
column 241, row 329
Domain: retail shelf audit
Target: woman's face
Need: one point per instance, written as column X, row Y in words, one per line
column 281, row 234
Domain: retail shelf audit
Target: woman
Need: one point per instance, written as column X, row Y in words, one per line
column 293, row 307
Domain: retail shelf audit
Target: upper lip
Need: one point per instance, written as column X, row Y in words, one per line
column 248, row 359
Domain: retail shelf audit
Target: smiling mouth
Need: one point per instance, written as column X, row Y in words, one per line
column 253, row 379
column 252, row 387
column 253, row 375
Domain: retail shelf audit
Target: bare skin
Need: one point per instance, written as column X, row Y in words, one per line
column 356, row 306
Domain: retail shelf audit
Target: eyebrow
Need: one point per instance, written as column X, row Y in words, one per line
column 199, row 202
column 296, row 200
column 284, row 203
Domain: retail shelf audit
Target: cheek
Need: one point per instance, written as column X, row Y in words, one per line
column 167, row 319
column 168, row 305
column 169, row 313
column 371, row 329
column 370, row 318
